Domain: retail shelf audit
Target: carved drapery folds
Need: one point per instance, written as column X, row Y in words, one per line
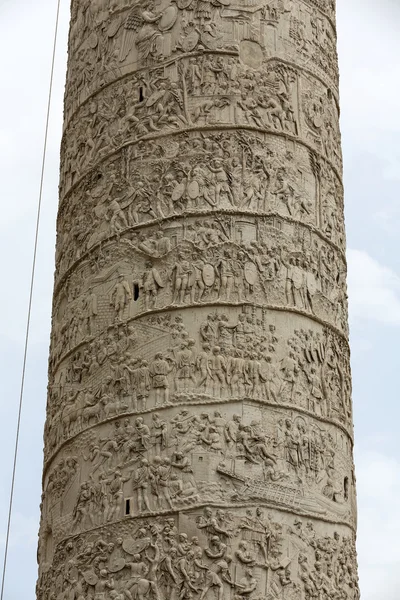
column 198, row 441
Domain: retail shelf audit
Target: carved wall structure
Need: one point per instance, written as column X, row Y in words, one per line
column 199, row 437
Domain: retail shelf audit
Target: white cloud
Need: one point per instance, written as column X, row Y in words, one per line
column 374, row 290
column 378, row 482
column 370, row 76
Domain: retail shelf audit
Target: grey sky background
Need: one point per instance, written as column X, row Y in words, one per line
column 369, row 49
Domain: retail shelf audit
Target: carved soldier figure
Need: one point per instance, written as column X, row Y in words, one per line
column 82, row 510
column 159, row 371
column 140, row 480
column 227, row 272
column 118, row 220
column 160, row 428
column 222, row 186
column 293, row 448
column 289, row 374
column 91, row 310
column 230, row 431
column 121, row 295
column 143, row 434
column 185, row 362
column 247, row 585
column 182, row 274
column 151, row 285
column 217, row 368
column 316, row 393
column 143, row 384
column 203, row 367
column 116, row 498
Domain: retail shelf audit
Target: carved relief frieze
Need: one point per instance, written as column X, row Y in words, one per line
column 174, row 459
column 237, row 173
column 224, row 261
column 110, row 43
column 199, row 438
column 168, row 359
column 212, row 91
column 249, row 553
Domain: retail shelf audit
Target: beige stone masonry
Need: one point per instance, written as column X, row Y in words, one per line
column 199, row 437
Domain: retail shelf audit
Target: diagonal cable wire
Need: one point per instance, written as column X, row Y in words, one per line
column 28, row 323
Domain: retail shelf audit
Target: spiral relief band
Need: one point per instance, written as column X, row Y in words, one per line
column 199, row 435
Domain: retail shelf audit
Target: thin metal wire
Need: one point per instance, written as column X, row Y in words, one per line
column 28, row 323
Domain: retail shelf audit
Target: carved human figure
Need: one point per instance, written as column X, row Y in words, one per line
column 117, row 218
column 141, row 481
column 82, row 510
column 91, row 310
column 270, row 378
column 289, row 374
column 151, row 285
column 160, row 471
column 103, row 584
column 247, row 584
column 293, row 449
column 116, row 496
column 182, row 274
column 226, row 268
column 184, row 375
column 222, row 187
column 160, row 432
column 230, row 431
column 159, row 370
column 317, row 398
column 217, row 368
column 121, row 295
column 143, row 383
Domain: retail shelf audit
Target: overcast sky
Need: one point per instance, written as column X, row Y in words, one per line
column 369, row 49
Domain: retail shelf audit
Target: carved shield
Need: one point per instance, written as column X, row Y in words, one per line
column 285, row 563
column 93, row 40
column 171, row 148
column 311, row 283
column 135, row 546
column 90, row 577
column 116, row 564
column 155, row 97
column 100, row 210
column 157, row 278
column 183, row 3
column 297, row 278
column 168, row 18
column 193, row 190
column 178, row 192
column 209, row 275
column 190, row 42
column 113, row 28
column 317, row 120
column 210, row 41
column 250, row 273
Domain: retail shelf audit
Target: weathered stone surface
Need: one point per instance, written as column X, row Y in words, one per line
column 198, row 442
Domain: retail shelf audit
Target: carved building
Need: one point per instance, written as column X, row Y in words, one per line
column 199, row 437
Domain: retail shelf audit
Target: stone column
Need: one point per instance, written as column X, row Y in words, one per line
column 199, row 439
